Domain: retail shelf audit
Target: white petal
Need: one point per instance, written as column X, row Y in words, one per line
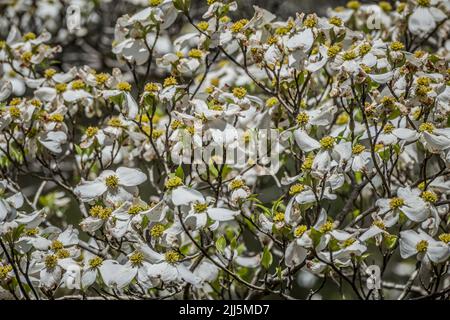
column 381, row 78
column 295, row 254
column 302, row 40
column 305, row 142
column 90, row 190
column 184, row 195
column 222, row 214
column 130, row 177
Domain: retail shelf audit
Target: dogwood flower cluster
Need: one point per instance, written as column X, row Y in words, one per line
column 106, row 190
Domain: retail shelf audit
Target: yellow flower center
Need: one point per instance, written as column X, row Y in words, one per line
column 296, row 188
column 175, row 124
column 333, row 50
column 343, row 118
column 310, row 21
column 36, row 102
column 112, row 181
column 105, row 213
column 14, row 112
column 57, row 245
column 157, row 230
column 48, row 73
column 101, row 78
column 239, row 92
column 95, row 262
column 426, row 126
column 423, row 81
column 300, row 230
column 396, row 46
column 239, row 25
column 195, row 53
column 353, row 5
column 31, row 232
column 172, row 256
column 136, row 258
column 173, row 182
column 51, row 261
column 78, row 85
column 396, row 202
column 151, row 87
column 422, row 90
column 327, row 142
column 29, row 36
column 170, row 81
column 5, row 270
column 115, row 122
column 278, row 217
column 203, row 25
column 388, row 101
column 327, row 226
column 237, row 184
column 91, row 131
column 200, row 207
column 388, row 128
column 401, row 7
column 419, row 53
column 385, row 6
column 358, row 149
column 348, row 242
column 424, row 3
column 123, row 86
column 302, row 119
column 380, row 224
column 135, row 209
column 445, row 237
column 26, row 56
column 61, row 87
column 154, row 3
column 62, row 254
column 422, row 246
column 429, row 196
column 307, row 163
column 271, row 102
column 364, row 49
column 335, row 21
column 95, row 210
column 56, row 117
column 350, row 55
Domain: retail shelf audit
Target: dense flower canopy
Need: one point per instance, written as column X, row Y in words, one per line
column 103, row 193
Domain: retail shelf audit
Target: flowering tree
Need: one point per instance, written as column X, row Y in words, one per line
column 150, row 180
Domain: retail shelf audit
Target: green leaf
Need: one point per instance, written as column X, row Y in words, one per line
column 221, row 243
column 78, row 150
column 180, row 173
column 267, row 258
column 315, row 236
column 390, row 241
